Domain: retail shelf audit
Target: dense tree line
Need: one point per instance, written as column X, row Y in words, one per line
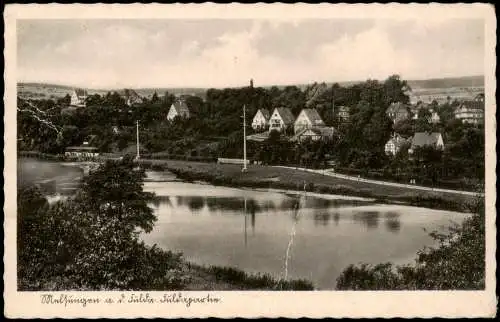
column 215, row 128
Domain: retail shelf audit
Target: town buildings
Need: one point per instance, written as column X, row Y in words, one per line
column 344, row 113
column 471, row 112
column 261, row 120
column 82, row 152
column 394, row 144
column 422, row 139
column 314, row 134
column 131, row 97
column 281, row 119
column 435, row 118
column 398, row 112
column 78, row 97
column 308, row 118
column 178, row 109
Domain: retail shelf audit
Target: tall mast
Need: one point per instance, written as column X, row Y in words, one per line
column 244, row 141
column 137, row 132
column 333, row 102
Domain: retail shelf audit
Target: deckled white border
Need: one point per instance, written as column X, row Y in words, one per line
column 257, row 304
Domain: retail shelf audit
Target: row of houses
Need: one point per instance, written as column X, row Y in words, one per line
column 469, row 111
column 308, row 124
column 79, row 97
column 177, row 109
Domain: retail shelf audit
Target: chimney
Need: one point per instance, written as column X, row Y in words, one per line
column 333, row 103
column 251, row 83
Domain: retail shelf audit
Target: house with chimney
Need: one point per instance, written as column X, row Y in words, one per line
column 261, row 120
column 281, row 119
column 398, row 112
column 178, row 109
column 79, row 97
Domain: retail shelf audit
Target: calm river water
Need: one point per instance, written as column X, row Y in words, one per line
column 210, row 226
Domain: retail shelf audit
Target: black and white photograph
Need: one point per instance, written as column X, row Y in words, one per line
column 174, row 158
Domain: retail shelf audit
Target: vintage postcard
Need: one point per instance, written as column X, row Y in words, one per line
column 211, row 160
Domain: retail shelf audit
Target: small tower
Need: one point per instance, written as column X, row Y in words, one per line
column 251, row 83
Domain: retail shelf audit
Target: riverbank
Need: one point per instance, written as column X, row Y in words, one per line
column 258, row 176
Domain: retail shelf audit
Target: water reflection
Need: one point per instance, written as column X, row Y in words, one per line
column 336, row 218
column 195, row 203
column 369, row 219
column 321, row 218
column 392, row 221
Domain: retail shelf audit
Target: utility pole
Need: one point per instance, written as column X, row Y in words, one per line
column 137, row 132
column 333, row 105
column 244, row 141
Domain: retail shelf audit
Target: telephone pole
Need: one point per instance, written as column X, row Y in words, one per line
column 137, row 132
column 244, row 141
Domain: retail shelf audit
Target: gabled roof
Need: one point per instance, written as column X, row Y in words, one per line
column 324, row 131
column 313, row 116
column 129, row 93
column 421, row 139
column 397, row 107
column 397, row 140
column 474, row 105
column 181, row 107
column 258, row 137
column 286, row 115
column 265, row 113
column 81, row 92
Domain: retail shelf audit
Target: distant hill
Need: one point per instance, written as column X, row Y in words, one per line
column 467, row 81
column 42, row 90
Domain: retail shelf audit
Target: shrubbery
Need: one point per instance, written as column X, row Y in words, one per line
column 91, row 241
column 457, row 263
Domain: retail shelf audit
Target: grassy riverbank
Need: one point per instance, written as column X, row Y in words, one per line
column 291, row 179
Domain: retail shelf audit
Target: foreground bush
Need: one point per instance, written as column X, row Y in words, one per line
column 457, row 263
column 91, row 241
column 260, row 281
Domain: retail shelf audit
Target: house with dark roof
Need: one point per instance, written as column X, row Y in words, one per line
column 470, row 111
column 131, row 97
column 308, row 118
column 281, row 119
column 261, row 119
column 78, row 97
column 178, row 109
column 422, row 139
column 398, row 112
column 314, row 134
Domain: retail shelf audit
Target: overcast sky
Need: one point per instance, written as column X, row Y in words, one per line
column 220, row 53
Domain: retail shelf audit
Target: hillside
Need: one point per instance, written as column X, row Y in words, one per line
column 467, row 81
column 42, row 90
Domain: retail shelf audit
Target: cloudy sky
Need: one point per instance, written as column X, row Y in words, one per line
column 220, row 53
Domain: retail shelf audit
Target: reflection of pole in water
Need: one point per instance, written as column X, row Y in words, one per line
column 292, row 233
column 253, row 221
column 245, row 214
